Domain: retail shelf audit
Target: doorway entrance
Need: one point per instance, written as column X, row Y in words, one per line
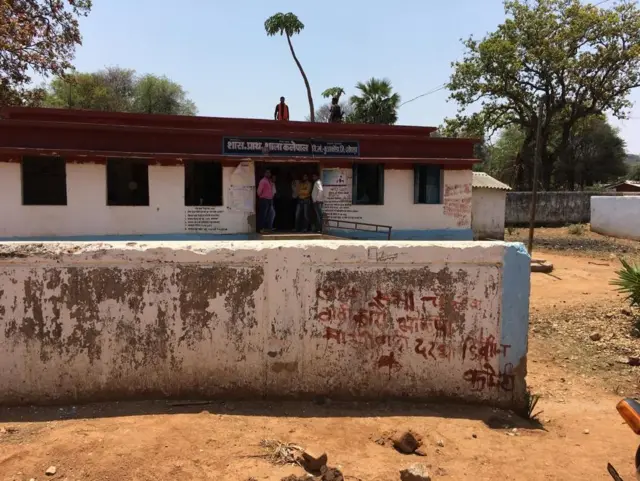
column 284, row 203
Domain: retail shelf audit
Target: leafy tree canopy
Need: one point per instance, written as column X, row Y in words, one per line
column 333, row 92
column 376, row 103
column 116, row 89
column 580, row 59
column 284, row 24
column 36, row 36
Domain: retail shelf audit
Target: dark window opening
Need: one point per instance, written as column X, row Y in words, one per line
column 44, row 181
column 202, row 183
column 127, row 182
column 426, row 184
column 368, row 184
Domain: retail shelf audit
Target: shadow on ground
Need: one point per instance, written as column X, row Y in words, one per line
column 321, row 408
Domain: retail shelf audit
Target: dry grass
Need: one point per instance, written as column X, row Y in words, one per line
column 281, row 453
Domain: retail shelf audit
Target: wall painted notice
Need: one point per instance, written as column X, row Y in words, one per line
column 338, row 195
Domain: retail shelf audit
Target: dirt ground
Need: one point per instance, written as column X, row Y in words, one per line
column 580, row 381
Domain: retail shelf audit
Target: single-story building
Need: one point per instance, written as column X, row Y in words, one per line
column 488, row 213
column 625, row 186
column 70, row 174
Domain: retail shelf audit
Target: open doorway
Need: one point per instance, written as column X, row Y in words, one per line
column 285, row 173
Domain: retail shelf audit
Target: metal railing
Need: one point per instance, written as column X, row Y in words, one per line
column 338, row 224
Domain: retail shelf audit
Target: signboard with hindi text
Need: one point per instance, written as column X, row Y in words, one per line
column 297, row 147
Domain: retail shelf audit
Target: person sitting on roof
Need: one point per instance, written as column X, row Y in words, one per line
column 282, row 111
column 335, row 113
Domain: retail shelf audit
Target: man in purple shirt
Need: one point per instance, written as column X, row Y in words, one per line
column 266, row 214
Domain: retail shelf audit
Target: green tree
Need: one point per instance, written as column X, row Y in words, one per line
column 289, row 24
column 119, row 90
column 159, row 95
column 36, row 36
column 332, row 92
column 376, row 103
column 596, row 154
column 503, row 154
column 634, row 173
column 110, row 90
column 580, row 59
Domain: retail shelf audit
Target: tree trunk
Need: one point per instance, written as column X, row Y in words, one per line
column 522, row 170
column 312, row 113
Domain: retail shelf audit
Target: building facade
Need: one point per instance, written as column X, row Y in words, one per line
column 91, row 175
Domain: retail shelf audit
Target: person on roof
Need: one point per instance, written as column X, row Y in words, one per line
column 282, row 111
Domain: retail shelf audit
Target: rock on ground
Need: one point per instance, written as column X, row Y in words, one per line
column 406, row 442
column 415, row 472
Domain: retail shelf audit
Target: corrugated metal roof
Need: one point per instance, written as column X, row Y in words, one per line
column 485, row 181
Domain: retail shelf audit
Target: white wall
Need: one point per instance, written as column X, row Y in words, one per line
column 616, row 216
column 346, row 319
column 488, row 211
column 87, row 212
column 399, row 210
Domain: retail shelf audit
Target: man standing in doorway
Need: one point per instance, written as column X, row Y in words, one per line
column 282, row 111
column 266, row 213
column 317, row 197
column 303, row 210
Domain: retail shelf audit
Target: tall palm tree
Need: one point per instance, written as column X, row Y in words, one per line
column 289, row 24
column 376, row 104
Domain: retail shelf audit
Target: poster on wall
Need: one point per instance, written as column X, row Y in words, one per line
column 241, row 198
column 203, row 220
column 338, row 195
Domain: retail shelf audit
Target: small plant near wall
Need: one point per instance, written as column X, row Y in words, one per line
column 576, row 229
column 628, row 282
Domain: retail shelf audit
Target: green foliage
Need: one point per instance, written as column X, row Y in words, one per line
column 634, row 173
column 284, row 24
column 159, row 95
column 582, row 60
column 119, row 90
column 289, row 24
column 333, row 92
column 576, row 229
column 36, row 36
column 376, row 104
column 595, row 153
column 531, row 402
column 628, row 282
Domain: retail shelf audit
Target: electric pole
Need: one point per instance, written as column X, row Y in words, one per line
column 536, row 168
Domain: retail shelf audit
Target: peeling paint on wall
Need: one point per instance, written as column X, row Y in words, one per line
column 114, row 321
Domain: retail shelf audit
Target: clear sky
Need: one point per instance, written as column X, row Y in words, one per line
column 219, row 52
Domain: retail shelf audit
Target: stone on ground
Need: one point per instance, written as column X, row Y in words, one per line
column 415, row 472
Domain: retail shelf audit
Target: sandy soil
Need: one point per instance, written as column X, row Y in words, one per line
column 154, row 441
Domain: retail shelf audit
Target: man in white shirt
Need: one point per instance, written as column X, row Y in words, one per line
column 317, row 197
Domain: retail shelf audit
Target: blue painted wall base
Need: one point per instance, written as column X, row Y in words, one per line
column 514, row 322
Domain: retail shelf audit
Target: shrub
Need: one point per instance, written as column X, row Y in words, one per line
column 576, row 229
column 628, row 282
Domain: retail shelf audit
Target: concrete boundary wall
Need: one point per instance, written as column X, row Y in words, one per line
column 553, row 208
column 616, row 216
column 346, row 319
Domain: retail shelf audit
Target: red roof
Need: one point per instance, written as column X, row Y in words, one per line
column 37, row 131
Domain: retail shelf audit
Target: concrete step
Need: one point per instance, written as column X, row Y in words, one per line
column 276, row 236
